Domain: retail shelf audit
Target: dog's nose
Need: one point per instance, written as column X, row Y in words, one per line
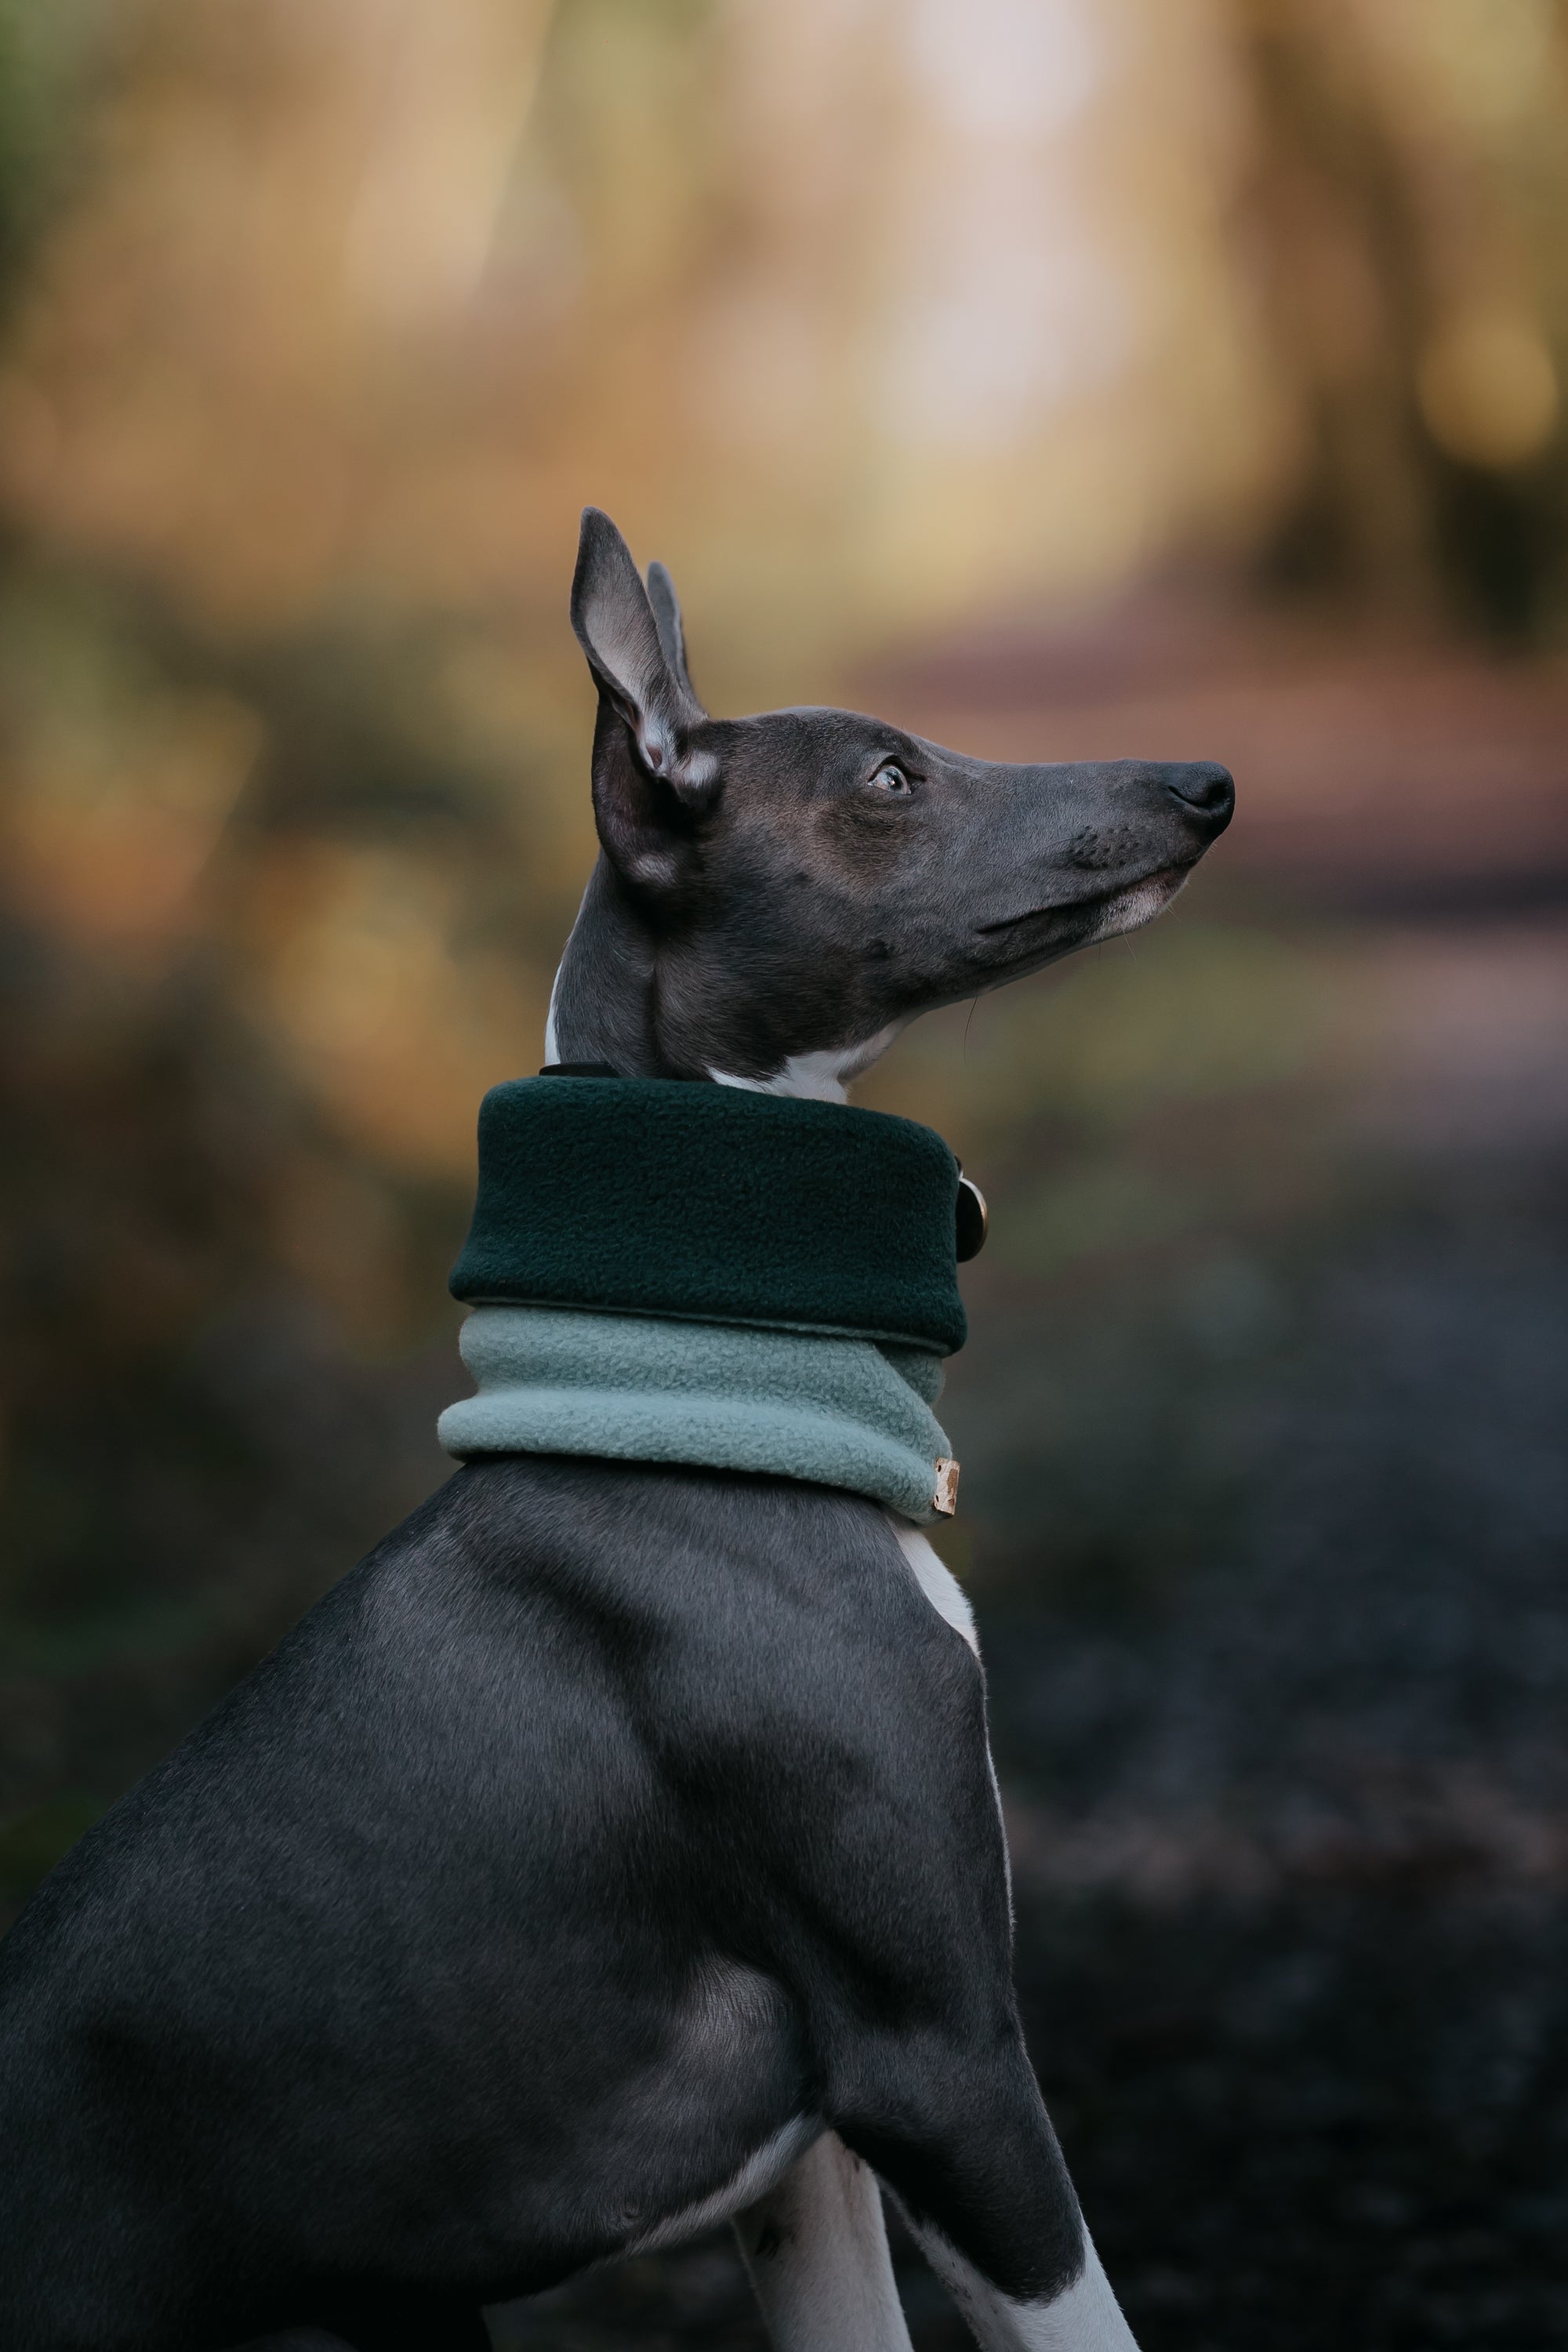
column 1204, row 788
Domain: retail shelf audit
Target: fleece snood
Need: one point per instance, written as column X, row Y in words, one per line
column 671, row 1272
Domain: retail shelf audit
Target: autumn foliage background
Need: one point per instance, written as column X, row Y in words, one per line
column 1062, row 377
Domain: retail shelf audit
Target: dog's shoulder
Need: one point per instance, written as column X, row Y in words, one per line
column 820, row 1727
column 725, row 1612
column 749, row 1578
column 717, row 1710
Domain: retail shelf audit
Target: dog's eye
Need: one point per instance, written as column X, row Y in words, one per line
column 891, row 778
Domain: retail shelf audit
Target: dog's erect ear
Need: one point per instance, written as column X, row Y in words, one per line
column 666, row 605
column 651, row 781
column 616, row 629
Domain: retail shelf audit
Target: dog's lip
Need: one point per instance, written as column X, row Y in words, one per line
column 1171, row 873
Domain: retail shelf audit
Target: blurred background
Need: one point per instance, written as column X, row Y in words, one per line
column 1060, row 378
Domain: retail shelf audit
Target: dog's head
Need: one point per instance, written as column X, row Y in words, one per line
column 778, row 895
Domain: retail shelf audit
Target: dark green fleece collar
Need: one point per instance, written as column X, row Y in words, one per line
column 714, row 1204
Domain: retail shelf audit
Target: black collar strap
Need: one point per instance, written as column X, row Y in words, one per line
column 712, row 1203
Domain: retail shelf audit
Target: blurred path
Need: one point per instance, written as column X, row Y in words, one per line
column 1376, row 776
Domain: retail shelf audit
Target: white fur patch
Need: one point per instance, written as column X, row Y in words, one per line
column 1133, row 908
column 1085, row 2317
column 950, row 1601
column 820, row 1077
column 552, row 1042
column 762, row 2170
column 817, row 2250
column 936, row 1580
column 699, row 769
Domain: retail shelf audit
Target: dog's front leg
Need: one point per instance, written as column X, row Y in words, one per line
column 1084, row 2317
column 816, row 2249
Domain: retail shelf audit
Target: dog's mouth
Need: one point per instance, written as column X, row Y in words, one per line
column 1160, row 885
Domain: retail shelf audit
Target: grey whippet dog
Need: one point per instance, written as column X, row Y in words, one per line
column 410, row 1983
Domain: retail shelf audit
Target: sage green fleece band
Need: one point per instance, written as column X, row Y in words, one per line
column 653, row 1196
column 634, row 1388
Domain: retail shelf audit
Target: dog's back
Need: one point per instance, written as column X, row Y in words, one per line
column 453, row 1951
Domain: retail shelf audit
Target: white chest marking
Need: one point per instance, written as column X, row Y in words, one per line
column 948, row 1598
column 939, row 1584
column 551, row 1044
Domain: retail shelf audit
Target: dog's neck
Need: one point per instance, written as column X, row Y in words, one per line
column 603, row 1006
column 607, row 1006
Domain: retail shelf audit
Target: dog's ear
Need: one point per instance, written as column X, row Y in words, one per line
column 651, row 782
column 671, row 628
column 616, row 629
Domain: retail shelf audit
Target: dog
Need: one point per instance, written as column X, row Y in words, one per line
column 616, row 1850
